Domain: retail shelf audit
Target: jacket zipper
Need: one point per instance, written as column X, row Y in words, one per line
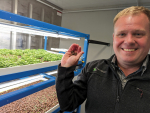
column 119, row 82
column 118, row 97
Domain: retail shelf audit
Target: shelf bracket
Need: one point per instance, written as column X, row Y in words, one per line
column 98, row 42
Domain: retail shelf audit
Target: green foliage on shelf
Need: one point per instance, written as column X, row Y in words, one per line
column 18, row 57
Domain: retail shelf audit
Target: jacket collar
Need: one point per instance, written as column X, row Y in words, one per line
column 146, row 72
column 144, row 64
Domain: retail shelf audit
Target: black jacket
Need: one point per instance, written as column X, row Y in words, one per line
column 101, row 86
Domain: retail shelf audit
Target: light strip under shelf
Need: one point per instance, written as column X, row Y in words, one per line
column 68, row 37
column 33, row 31
column 59, row 49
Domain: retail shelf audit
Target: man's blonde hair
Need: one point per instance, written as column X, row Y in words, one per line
column 132, row 11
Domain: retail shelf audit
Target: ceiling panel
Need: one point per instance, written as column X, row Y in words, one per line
column 84, row 4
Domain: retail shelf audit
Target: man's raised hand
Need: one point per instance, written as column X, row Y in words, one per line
column 72, row 56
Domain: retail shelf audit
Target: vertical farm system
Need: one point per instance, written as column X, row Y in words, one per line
column 19, row 75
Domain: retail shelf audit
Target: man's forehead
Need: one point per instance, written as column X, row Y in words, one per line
column 131, row 15
column 133, row 31
column 139, row 18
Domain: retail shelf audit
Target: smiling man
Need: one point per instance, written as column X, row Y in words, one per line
column 131, row 40
column 120, row 84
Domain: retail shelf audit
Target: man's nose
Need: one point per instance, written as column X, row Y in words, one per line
column 129, row 39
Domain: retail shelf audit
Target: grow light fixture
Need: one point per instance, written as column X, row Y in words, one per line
column 59, row 49
column 26, row 30
column 68, row 37
column 33, row 31
column 20, row 82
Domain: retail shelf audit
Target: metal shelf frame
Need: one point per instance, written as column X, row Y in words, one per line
column 15, row 95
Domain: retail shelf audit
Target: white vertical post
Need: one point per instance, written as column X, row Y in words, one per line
column 28, row 41
column 29, row 36
column 13, row 41
column 30, row 10
column 42, row 19
column 13, row 34
column 50, row 41
column 15, row 8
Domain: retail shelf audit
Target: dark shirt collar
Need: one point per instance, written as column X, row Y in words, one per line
column 144, row 65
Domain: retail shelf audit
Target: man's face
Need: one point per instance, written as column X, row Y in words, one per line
column 131, row 38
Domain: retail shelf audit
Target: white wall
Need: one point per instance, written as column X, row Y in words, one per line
column 100, row 27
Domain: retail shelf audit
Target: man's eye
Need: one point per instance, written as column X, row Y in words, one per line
column 122, row 34
column 138, row 34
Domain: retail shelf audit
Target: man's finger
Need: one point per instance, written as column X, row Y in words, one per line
column 79, row 49
column 73, row 47
column 79, row 54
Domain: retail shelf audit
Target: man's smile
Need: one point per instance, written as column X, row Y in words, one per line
column 128, row 49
